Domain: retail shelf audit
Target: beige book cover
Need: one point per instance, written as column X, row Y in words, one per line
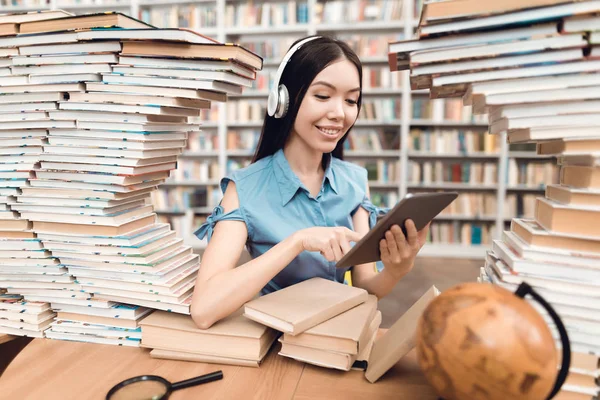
column 399, row 339
column 300, row 307
column 327, row 358
column 204, row 358
column 232, row 337
column 342, row 333
column 362, row 360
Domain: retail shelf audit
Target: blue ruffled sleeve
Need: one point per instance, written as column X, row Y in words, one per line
column 374, row 212
column 207, row 228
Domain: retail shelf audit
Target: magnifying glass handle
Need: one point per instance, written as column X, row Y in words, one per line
column 213, row 376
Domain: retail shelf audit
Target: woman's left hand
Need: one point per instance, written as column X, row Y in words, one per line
column 398, row 252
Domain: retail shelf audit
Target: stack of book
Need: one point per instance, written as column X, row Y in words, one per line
column 332, row 325
column 235, row 340
column 24, row 318
column 100, row 321
column 532, row 66
column 339, row 341
column 106, row 112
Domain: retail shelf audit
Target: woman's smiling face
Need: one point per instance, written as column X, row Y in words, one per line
column 329, row 107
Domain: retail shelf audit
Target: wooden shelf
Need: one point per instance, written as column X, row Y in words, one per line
column 452, row 186
column 361, row 26
column 477, row 155
column 454, row 251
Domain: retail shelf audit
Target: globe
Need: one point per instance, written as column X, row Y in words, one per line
column 478, row 341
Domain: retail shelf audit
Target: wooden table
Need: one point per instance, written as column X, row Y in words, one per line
column 53, row 369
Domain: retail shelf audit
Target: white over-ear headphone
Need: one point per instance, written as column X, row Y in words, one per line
column 279, row 97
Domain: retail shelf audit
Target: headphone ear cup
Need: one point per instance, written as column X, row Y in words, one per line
column 273, row 102
column 283, row 103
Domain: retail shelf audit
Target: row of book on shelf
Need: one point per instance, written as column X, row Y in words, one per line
column 439, row 141
column 545, row 93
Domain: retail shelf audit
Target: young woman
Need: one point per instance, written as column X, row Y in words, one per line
column 298, row 206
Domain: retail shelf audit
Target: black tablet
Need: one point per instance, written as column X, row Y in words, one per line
column 420, row 207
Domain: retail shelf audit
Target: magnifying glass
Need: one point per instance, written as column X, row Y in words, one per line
column 152, row 387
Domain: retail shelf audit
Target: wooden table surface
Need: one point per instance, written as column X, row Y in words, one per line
column 54, row 369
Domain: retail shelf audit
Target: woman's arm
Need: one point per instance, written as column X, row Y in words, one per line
column 221, row 288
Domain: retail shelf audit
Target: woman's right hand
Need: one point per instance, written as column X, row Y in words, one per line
column 332, row 242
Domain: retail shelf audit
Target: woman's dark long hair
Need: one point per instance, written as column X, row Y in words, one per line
column 300, row 71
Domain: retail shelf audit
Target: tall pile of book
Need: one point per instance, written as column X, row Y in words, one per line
column 532, row 66
column 98, row 109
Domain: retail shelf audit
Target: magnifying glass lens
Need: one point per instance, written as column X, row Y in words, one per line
column 141, row 390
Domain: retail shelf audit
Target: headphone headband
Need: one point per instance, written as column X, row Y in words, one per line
column 277, row 103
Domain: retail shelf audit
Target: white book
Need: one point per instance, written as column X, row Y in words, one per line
column 584, row 23
column 171, row 34
column 549, row 121
column 75, row 210
column 205, row 65
column 543, row 109
column 563, row 270
column 146, row 248
column 555, row 69
column 61, row 79
column 33, row 151
column 223, row 76
column 23, row 116
column 498, row 49
column 116, row 117
column 539, row 96
column 31, row 97
column 70, row 59
column 50, row 334
column 116, row 144
column 91, row 151
column 58, row 87
column 27, row 40
column 565, row 290
column 71, row 48
column 549, row 254
column 407, row 46
column 27, row 107
column 109, row 168
column 121, row 135
column 137, row 99
column 13, row 80
column 151, row 90
column 501, row 62
column 137, row 127
column 172, row 83
column 134, row 238
column 82, row 203
column 21, row 332
column 526, row 85
column 106, row 332
column 122, row 311
column 174, row 246
column 116, row 220
column 122, row 108
column 108, row 161
column 61, row 69
column 37, row 124
column 182, row 307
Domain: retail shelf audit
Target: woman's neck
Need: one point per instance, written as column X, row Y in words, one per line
column 304, row 161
